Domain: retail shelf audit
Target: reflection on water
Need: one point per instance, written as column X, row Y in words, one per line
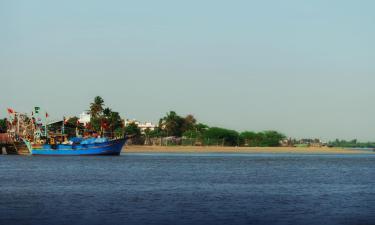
column 188, row 189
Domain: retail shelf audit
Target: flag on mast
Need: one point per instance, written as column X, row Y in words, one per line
column 10, row 111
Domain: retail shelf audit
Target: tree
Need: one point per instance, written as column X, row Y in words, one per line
column 201, row 128
column 250, row 138
column 107, row 112
column 95, row 124
column 3, row 125
column 222, row 136
column 188, row 123
column 195, row 131
column 133, row 132
column 262, row 139
column 115, row 121
column 172, row 124
column 96, row 108
column 105, row 120
column 132, row 129
column 157, row 132
column 351, row 144
column 191, row 134
column 272, row 138
column 111, row 119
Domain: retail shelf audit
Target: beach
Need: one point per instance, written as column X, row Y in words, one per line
column 254, row 150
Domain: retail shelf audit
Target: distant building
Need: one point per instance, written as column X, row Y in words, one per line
column 287, row 142
column 142, row 126
column 305, row 142
column 147, row 125
column 84, row 118
column 308, row 142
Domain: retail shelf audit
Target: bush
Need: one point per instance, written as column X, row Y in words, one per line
column 221, row 136
column 262, row 139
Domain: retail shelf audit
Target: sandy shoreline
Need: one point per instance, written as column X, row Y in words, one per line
column 215, row 149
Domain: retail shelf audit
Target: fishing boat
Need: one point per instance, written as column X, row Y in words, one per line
column 84, row 147
column 19, row 126
column 33, row 135
column 9, row 145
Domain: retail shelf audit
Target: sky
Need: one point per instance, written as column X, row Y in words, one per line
column 304, row 68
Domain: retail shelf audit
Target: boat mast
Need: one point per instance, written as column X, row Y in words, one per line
column 46, row 128
column 18, row 124
column 63, row 126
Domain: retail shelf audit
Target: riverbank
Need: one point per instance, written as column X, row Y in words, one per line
column 220, row 149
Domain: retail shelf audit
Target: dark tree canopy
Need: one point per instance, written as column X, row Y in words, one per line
column 96, row 107
column 174, row 125
column 3, row 125
column 132, row 129
column 261, row 139
column 228, row 137
column 351, row 144
column 133, row 132
column 104, row 120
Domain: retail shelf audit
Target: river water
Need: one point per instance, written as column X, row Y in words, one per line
column 188, row 189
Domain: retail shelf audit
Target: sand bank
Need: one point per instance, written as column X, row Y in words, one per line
column 220, row 149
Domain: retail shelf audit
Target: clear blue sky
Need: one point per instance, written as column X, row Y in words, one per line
column 305, row 68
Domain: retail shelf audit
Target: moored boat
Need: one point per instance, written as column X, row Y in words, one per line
column 35, row 134
column 93, row 147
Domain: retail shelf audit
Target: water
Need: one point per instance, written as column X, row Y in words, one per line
column 188, row 189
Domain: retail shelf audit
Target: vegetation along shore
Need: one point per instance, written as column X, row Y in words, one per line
column 175, row 133
column 244, row 150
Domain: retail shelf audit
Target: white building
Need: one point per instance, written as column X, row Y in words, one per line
column 143, row 126
column 84, row 118
column 146, row 125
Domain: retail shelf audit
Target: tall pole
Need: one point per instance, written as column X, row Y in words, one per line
column 46, row 128
column 63, row 126
column 18, row 125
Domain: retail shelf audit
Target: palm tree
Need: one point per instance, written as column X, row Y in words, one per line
column 172, row 123
column 189, row 123
column 96, row 108
column 115, row 121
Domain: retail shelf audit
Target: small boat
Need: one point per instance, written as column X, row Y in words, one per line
column 92, row 146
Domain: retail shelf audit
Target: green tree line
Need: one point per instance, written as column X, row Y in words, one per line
column 351, row 144
column 187, row 128
column 108, row 122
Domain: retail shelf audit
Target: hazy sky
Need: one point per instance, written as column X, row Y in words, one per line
column 305, row 68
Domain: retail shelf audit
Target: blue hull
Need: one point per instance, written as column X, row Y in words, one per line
column 113, row 147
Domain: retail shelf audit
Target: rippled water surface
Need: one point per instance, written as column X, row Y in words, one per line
column 188, row 189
